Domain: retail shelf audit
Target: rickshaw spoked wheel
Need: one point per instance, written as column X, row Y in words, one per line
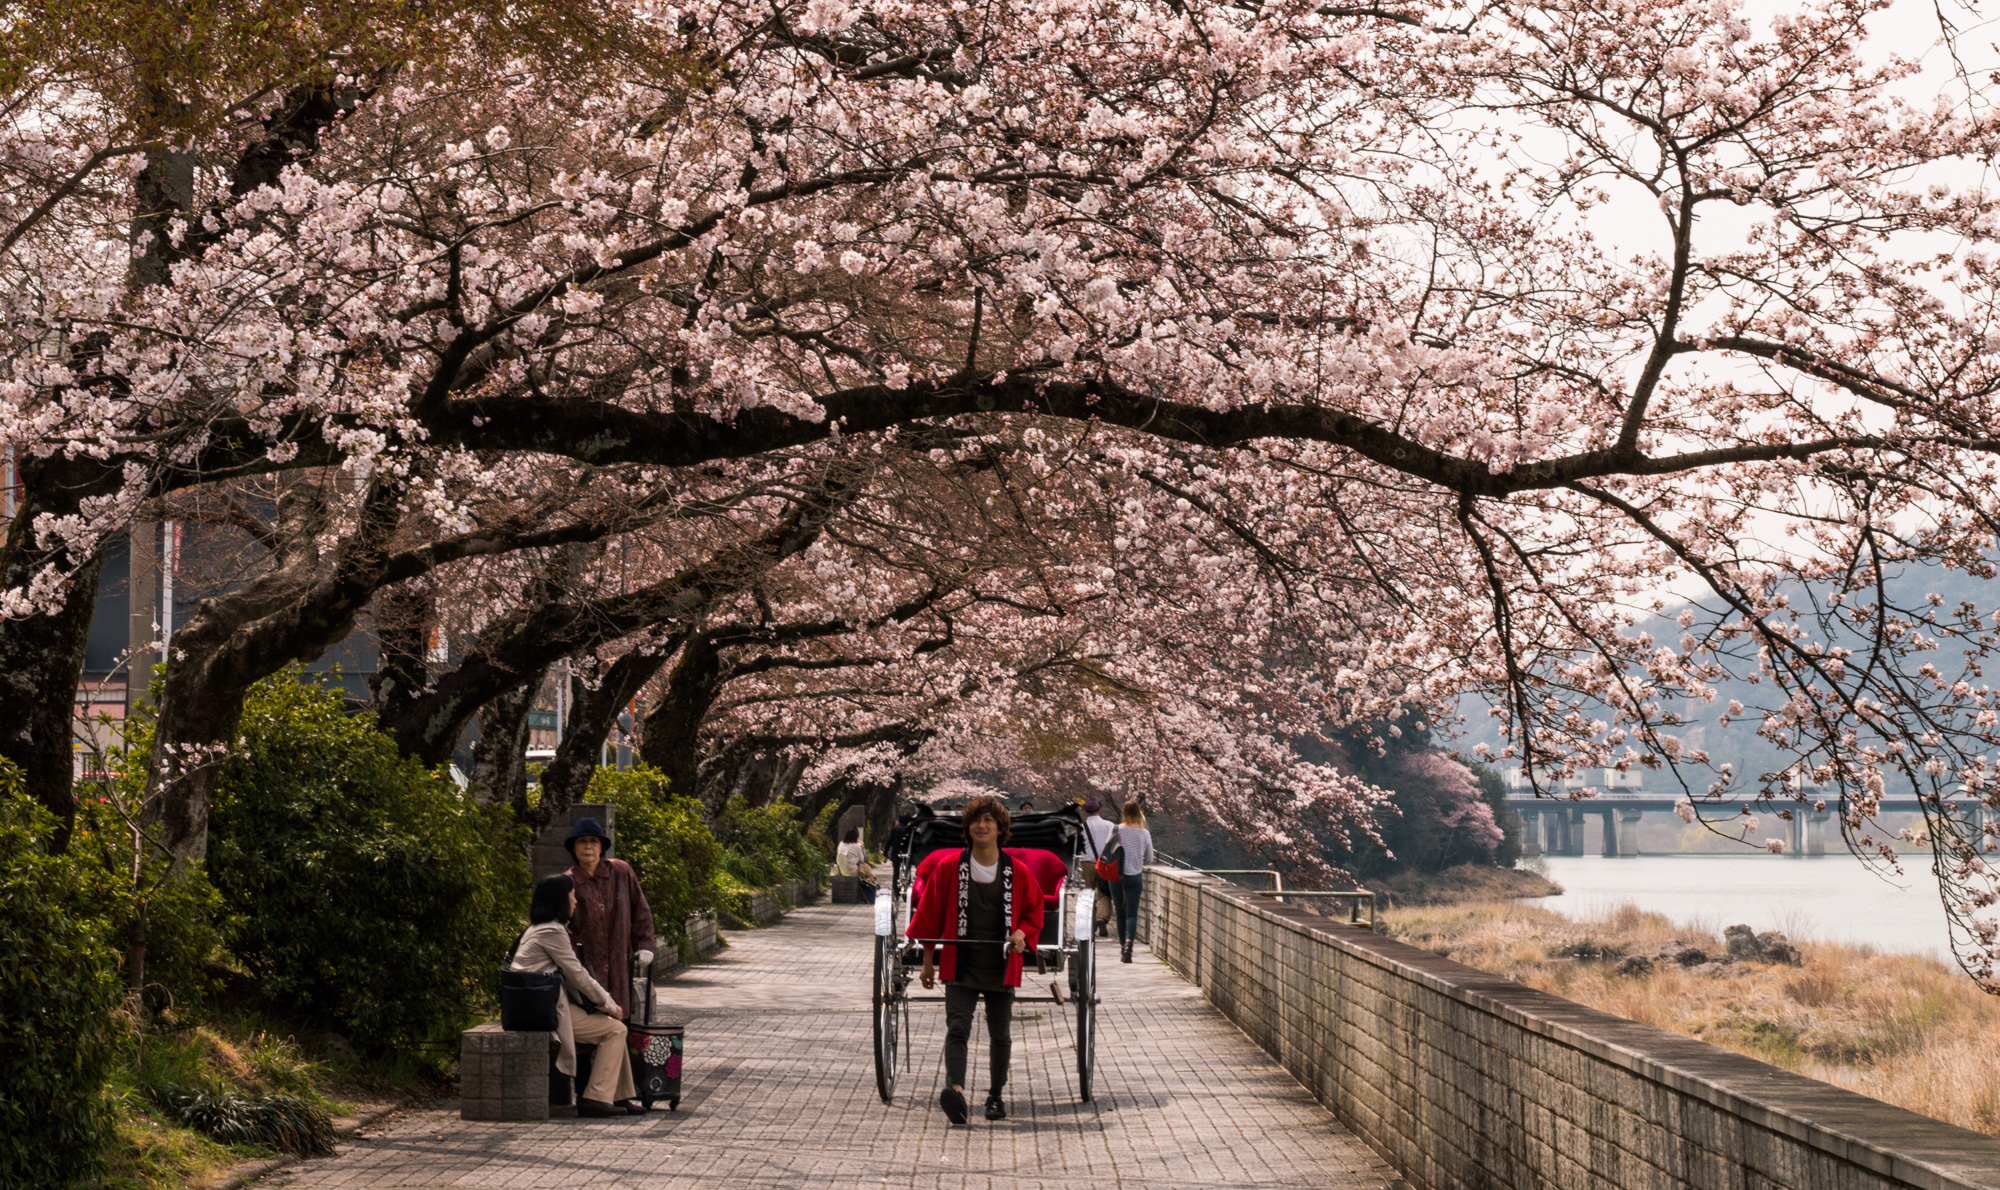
column 1083, row 988
column 886, row 994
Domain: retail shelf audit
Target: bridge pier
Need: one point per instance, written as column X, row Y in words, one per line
column 1573, row 831
column 1610, row 818
column 1795, row 834
column 1628, row 832
column 1531, row 832
column 1816, row 821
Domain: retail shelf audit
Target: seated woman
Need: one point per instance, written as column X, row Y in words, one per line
column 982, row 896
column 546, row 947
column 851, row 859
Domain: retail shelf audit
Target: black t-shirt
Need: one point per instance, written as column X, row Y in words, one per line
column 984, row 966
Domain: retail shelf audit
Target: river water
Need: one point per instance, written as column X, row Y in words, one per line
column 1829, row 898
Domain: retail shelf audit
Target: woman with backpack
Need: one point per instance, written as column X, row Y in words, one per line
column 1134, row 845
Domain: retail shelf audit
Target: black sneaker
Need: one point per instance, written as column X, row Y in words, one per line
column 953, row 1104
column 996, row 1108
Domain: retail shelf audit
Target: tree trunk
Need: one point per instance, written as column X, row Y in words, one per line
column 592, row 715
column 499, row 760
column 759, row 780
column 404, row 616
column 428, row 725
column 673, row 729
column 41, row 663
column 882, row 801
column 832, row 792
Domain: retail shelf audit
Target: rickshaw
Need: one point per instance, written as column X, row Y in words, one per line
column 1055, row 845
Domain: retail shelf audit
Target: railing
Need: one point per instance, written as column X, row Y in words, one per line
column 1277, row 883
column 1355, row 898
column 1276, row 890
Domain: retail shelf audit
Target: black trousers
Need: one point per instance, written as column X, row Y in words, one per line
column 959, row 1003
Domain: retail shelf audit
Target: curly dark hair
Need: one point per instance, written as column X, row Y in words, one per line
column 987, row 807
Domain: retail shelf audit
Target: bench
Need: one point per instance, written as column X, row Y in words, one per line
column 847, row 890
column 502, row 1075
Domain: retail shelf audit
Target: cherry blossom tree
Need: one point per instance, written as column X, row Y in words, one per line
column 1349, row 274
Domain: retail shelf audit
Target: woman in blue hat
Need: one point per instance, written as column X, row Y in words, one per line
column 612, row 920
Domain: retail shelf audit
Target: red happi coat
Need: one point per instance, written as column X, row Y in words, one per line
column 611, row 921
column 936, row 915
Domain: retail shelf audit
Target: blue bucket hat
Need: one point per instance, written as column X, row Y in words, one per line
column 586, row 828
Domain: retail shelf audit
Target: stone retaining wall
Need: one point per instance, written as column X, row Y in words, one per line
column 768, row 905
column 1464, row 1079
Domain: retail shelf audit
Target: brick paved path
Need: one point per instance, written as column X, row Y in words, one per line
column 780, row 1092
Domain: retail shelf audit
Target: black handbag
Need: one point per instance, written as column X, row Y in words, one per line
column 528, row 998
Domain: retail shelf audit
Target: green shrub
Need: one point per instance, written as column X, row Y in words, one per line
column 820, row 834
column 667, row 841
column 371, row 897
column 182, row 912
column 763, row 845
column 59, row 989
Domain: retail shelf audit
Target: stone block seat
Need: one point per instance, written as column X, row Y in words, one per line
column 846, row 890
column 502, row 1075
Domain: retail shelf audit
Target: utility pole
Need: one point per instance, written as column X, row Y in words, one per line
column 170, row 560
column 143, row 622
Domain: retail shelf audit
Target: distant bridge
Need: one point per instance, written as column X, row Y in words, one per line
column 1555, row 825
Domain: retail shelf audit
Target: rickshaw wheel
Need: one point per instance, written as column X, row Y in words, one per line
column 1084, row 987
column 885, row 1017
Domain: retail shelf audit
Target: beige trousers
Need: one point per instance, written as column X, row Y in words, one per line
column 611, row 1069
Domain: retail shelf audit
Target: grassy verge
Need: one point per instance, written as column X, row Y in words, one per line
column 236, row 1063
column 1900, row 1028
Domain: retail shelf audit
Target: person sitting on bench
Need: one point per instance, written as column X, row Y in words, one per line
column 546, row 947
column 851, row 859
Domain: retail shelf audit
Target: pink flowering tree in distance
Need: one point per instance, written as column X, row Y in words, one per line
column 1512, row 317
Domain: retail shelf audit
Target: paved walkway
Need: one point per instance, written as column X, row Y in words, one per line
column 780, row 1092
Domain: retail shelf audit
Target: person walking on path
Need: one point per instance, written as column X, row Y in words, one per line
column 995, row 906
column 851, row 859
column 1137, row 844
column 546, row 947
column 613, row 921
column 1099, row 828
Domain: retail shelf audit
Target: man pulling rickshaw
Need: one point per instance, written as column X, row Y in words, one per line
column 983, row 894
column 980, row 896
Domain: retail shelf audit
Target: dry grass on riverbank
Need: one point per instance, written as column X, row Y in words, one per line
column 1907, row 1030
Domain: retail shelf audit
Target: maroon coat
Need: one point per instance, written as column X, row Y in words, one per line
column 611, row 921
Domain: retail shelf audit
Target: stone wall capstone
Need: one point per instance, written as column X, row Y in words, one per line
column 1460, row 1078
